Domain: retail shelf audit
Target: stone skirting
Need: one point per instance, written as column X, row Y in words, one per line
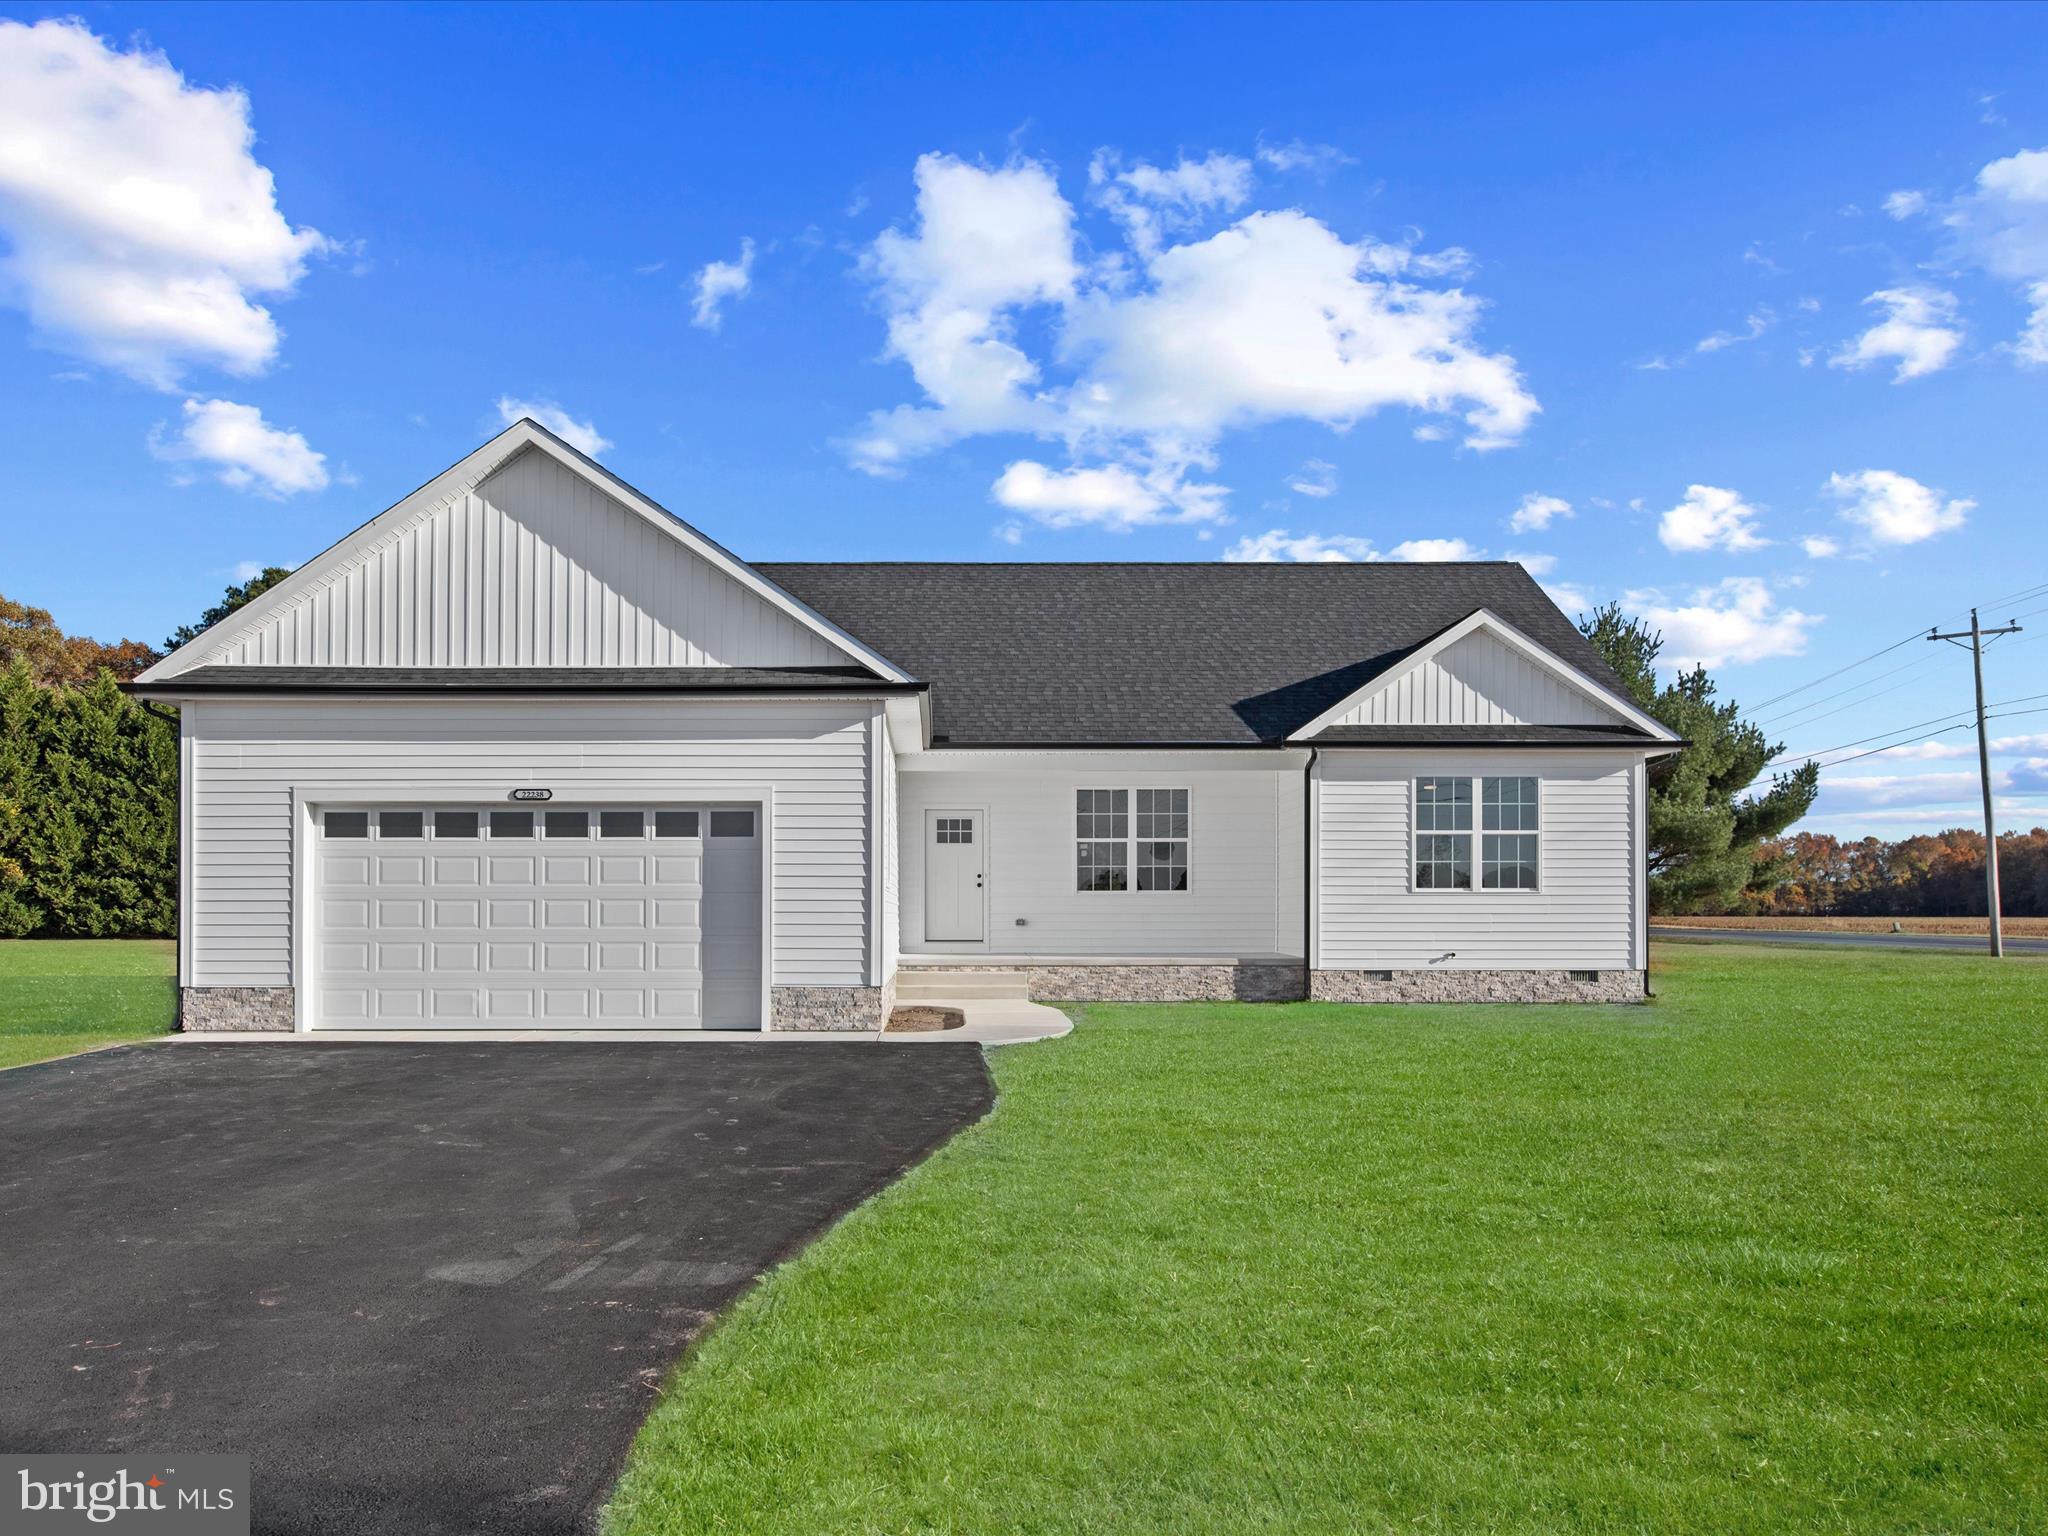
column 1474, row 987
column 1197, row 981
column 215, row 1010
column 833, row 1008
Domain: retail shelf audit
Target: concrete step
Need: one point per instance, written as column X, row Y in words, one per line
column 915, row 984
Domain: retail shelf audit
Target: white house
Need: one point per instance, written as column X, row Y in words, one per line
column 528, row 750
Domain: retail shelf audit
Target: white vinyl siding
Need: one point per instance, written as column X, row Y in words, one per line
column 1583, row 917
column 249, row 756
column 533, row 567
column 1245, row 894
column 887, row 794
column 1478, row 681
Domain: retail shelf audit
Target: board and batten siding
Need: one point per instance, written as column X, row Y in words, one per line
column 1585, row 916
column 1477, row 681
column 248, row 757
column 533, row 567
column 1245, row 854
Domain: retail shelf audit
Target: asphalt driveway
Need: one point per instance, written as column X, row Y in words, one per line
column 427, row 1288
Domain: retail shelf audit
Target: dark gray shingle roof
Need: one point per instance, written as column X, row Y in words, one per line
column 1155, row 653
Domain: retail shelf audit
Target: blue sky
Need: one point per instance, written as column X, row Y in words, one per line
column 1739, row 316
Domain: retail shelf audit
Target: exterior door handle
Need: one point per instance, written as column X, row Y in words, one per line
column 977, row 882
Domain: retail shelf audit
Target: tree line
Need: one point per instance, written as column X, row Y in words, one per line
column 1940, row 874
column 88, row 780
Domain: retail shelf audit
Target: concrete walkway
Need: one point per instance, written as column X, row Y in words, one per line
column 991, row 1021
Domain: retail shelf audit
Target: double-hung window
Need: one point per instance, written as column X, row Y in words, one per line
column 1507, row 833
column 1117, row 850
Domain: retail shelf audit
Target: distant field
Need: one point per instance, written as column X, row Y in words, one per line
column 2015, row 927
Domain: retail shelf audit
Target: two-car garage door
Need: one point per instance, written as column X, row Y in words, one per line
column 556, row 917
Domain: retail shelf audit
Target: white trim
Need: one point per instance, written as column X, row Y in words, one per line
column 305, row 845
column 1500, row 629
column 1131, row 839
column 1312, row 941
column 463, row 475
column 878, row 764
column 1639, row 864
column 1478, row 834
column 185, row 861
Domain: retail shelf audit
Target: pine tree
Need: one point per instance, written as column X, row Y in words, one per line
column 1706, row 832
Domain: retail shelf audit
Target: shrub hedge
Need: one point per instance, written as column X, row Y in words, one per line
column 88, row 812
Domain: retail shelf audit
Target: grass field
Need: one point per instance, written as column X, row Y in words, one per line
column 63, row 995
column 2015, row 927
column 1769, row 1255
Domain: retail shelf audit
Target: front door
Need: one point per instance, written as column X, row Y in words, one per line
column 952, row 875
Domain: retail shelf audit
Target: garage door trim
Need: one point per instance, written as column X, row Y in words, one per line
column 307, row 799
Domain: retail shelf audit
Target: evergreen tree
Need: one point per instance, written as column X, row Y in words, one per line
column 231, row 599
column 1706, row 830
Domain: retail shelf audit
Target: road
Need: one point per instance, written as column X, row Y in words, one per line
column 1957, row 941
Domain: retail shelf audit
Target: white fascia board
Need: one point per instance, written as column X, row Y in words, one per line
column 1514, row 639
column 463, row 475
column 910, row 720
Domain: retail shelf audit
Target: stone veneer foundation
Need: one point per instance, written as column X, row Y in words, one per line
column 833, row 1008
column 1219, row 981
column 216, row 1010
column 1473, row 987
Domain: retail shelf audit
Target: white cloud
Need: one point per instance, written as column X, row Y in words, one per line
column 1736, row 620
column 1316, row 477
column 1278, row 545
column 583, row 436
column 1571, row 598
column 1894, row 508
column 1945, row 751
column 139, row 222
column 1538, row 512
column 1152, row 358
column 1710, row 518
column 1426, row 551
column 718, row 281
column 1901, row 788
column 1112, row 497
column 1905, row 204
column 1819, row 547
column 1919, row 330
column 1148, row 200
column 1298, row 156
column 242, row 449
column 2002, row 226
column 1760, row 320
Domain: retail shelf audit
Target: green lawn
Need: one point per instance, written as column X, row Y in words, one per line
column 63, row 995
column 1769, row 1255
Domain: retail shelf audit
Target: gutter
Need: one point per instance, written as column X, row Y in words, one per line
column 173, row 688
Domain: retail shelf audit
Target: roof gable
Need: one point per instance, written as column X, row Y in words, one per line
column 1482, row 672
column 525, row 554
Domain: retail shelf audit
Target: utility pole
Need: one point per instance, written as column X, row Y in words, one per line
column 1976, row 637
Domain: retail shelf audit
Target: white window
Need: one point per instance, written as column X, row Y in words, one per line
column 1111, row 845
column 1507, row 833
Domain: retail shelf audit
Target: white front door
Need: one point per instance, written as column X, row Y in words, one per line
column 952, row 875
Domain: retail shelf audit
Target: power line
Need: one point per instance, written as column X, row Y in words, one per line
column 1905, row 730
column 2024, row 592
column 1852, row 704
column 1830, row 676
column 1800, row 709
